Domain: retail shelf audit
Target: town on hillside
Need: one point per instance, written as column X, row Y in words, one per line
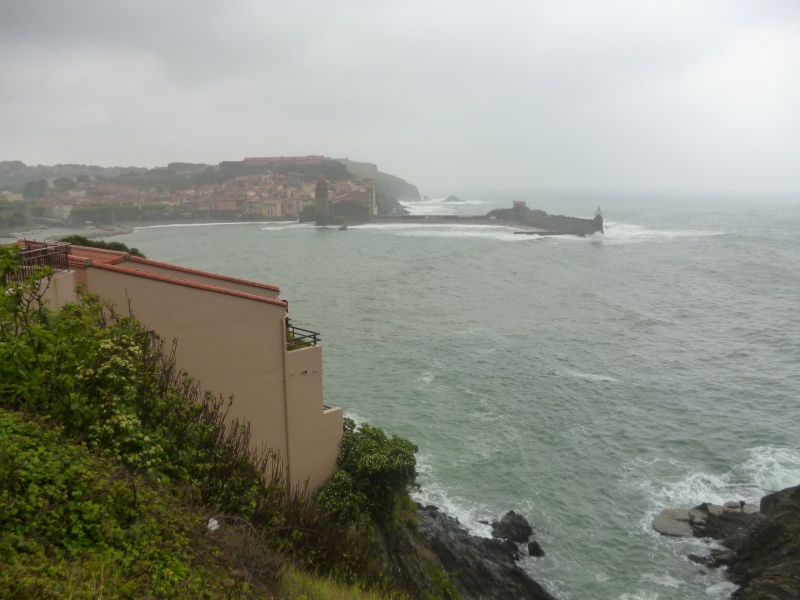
column 253, row 188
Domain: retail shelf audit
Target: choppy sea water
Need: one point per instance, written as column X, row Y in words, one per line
column 584, row 382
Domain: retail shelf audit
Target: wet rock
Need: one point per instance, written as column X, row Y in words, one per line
column 673, row 522
column 721, row 557
column 701, row 560
column 719, row 522
column 761, row 548
column 535, row 548
column 480, row 568
column 512, row 527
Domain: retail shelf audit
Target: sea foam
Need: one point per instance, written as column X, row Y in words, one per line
column 629, row 233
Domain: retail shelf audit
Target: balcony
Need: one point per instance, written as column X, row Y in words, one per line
column 54, row 255
column 297, row 337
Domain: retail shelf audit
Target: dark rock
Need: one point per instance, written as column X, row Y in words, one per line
column 721, row 557
column 701, row 560
column 767, row 560
column 452, row 199
column 762, row 549
column 512, row 527
column 480, row 568
column 483, row 522
column 722, row 523
column 535, row 548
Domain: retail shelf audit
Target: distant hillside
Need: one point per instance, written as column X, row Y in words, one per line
column 14, row 174
column 397, row 187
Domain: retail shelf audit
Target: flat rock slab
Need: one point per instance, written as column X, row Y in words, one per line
column 673, row 522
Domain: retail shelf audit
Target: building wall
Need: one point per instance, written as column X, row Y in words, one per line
column 314, row 434
column 61, row 289
column 232, row 345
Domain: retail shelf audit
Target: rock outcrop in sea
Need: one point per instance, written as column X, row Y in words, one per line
column 481, row 568
column 762, row 547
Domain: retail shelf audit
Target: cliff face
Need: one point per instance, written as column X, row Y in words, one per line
column 767, row 560
column 392, row 185
column 762, row 547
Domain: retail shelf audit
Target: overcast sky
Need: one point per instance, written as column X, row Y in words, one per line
column 455, row 96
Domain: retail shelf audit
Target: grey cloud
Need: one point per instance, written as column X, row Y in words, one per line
column 553, row 95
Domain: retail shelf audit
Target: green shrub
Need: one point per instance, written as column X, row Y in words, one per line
column 79, row 525
column 372, row 470
column 80, row 240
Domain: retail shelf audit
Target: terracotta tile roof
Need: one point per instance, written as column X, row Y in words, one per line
column 97, row 255
column 184, row 282
column 83, row 257
column 110, row 258
column 257, row 284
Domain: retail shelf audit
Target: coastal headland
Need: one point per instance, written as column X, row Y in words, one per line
column 761, row 551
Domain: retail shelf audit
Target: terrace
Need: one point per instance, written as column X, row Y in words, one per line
column 297, row 337
column 36, row 255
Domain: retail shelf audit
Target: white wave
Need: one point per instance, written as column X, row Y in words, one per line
column 454, row 231
column 723, row 589
column 353, row 415
column 285, row 225
column 768, row 469
column 437, row 206
column 590, row 376
column 771, row 469
column 664, row 580
column 201, row 224
column 433, row 492
column 628, row 232
column 426, row 377
column 639, row 596
column 473, row 232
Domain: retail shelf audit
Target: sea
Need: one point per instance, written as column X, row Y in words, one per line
column 586, row 383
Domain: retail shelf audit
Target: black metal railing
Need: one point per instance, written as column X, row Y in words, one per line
column 53, row 255
column 297, row 337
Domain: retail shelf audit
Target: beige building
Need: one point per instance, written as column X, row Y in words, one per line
column 232, row 336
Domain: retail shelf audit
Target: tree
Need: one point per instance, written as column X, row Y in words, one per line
column 64, row 183
column 34, row 190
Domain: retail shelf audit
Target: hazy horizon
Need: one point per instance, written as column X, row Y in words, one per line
column 455, row 97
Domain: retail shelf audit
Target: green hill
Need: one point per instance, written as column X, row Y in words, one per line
column 119, row 478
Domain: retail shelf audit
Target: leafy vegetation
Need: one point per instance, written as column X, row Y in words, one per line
column 12, row 215
column 79, row 240
column 112, row 461
column 373, row 472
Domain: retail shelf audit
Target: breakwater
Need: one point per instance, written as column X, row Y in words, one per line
column 535, row 224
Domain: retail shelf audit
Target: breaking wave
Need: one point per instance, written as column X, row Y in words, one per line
column 591, row 376
column 489, row 232
column 196, row 224
column 768, row 469
column 628, row 233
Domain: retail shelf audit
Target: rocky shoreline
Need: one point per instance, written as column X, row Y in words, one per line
column 483, row 568
column 761, row 551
